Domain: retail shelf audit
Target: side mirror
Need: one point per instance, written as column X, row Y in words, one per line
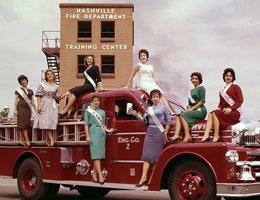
column 129, row 107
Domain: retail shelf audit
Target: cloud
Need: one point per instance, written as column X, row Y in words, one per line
column 182, row 37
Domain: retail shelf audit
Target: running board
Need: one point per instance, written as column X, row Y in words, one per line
column 121, row 186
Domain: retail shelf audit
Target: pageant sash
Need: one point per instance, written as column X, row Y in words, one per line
column 46, row 87
column 155, row 119
column 25, row 97
column 192, row 100
column 89, row 78
column 98, row 118
column 227, row 98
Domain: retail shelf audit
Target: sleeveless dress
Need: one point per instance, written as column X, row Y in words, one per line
column 147, row 82
column 97, row 136
column 191, row 116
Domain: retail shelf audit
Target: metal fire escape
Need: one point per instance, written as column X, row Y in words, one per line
column 51, row 48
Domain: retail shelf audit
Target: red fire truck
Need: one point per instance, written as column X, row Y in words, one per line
column 205, row 171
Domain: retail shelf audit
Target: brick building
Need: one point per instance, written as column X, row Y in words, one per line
column 103, row 30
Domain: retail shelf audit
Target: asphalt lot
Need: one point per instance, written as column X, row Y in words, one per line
column 9, row 191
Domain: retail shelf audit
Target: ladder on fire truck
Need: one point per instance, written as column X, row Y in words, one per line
column 51, row 48
column 67, row 133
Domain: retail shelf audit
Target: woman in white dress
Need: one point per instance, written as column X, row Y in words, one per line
column 47, row 109
column 147, row 82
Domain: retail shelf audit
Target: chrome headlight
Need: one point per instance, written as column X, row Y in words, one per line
column 232, row 156
column 257, row 134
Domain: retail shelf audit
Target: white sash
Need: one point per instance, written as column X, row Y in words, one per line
column 46, row 87
column 25, row 97
column 98, row 118
column 227, row 98
column 89, row 78
column 192, row 100
column 155, row 119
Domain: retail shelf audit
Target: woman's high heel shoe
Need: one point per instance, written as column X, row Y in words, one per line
column 205, row 139
column 141, row 184
column 185, row 141
column 216, row 140
column 176, row 139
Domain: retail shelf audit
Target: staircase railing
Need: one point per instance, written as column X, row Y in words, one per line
column 50, row 39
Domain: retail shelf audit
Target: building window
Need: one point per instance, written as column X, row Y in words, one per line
column 81, row 65
column 108, row 29
column 84, row 29
column 108, row 65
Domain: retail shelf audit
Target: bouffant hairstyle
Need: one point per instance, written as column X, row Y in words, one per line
column 227, row 70
column 198, row 75
column 85, row 60
column 22, row 77
column 154, row 91
column 46, row 72
column 145, row 52
column 95, row 97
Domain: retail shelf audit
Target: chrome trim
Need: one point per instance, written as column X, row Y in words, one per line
column 92, row 184
column 251, row 163
column 250, row 153
column 130, row 133
column 126, row 161
column 6, row 177
column 66, row 155
column 238, row 189
column 257, row 174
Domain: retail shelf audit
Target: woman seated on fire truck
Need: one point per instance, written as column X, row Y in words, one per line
column 156, row 136
column 147, row 82
column 196, row 109
column 95, row 130
column 92, row 83
column 228, row 111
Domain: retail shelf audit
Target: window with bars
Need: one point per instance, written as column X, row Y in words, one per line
column 107, row 29
column 108, row 65
column 84, row 29
column 81, row 65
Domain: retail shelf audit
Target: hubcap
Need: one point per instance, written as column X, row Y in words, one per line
column 191, row 185
column 29, row 180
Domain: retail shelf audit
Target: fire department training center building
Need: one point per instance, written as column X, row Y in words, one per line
column 103, row 30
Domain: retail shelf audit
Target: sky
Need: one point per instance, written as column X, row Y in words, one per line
column 182, row 36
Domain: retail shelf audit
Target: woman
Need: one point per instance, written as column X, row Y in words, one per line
column 228, row 111
column 147, row 82
column 47, row 110
column 95, row 136
column 92, row 83
column 196, row 109
column 24, row 105
column 156, row 135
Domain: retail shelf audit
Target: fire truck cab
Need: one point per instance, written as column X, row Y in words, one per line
column 203, row 171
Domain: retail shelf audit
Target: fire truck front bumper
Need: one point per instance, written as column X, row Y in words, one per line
column 238, row 189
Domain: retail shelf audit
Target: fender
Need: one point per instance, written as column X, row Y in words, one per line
column 172, row 151
column 21, row 157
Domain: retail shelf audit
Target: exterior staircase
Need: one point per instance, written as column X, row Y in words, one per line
column 51, row 48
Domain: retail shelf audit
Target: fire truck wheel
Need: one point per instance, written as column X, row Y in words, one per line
column 92, row 193
column 29, row 180
column 191, row 180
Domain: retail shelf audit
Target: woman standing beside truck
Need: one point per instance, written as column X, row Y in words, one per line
column 156, row 135
column 95, row 130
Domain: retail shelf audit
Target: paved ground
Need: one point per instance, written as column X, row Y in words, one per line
column 9, row 191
